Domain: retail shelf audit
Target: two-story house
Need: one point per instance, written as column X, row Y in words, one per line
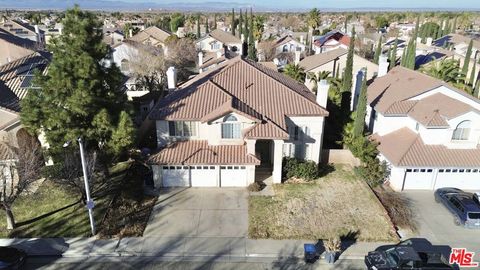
column 428, row 131
column 288, row 44
column 330, row 41
column 152, row 36
column 217, row 40
column 215, row 129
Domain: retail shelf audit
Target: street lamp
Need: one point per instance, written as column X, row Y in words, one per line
column 90, row 203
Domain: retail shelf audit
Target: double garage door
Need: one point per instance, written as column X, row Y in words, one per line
column 204, row 176
column 424, row 178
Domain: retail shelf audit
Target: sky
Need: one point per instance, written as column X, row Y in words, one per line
column 341, row 4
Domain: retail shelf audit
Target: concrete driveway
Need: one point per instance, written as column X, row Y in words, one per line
column 199, row 212
column 436, row 224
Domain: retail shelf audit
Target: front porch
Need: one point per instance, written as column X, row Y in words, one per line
column 270, row 154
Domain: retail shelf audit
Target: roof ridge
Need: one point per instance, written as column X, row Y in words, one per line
column 286, row 86
column 410, row 146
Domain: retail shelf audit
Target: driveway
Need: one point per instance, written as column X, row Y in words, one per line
column 199, row 212
column 436, row 224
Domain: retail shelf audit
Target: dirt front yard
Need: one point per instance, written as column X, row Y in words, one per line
column 335, row 205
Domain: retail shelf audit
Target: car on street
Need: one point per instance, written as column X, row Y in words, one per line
column 12, row 258
column 405, row 256
column 464, row 206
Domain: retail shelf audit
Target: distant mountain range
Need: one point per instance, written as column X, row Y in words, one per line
column 207, row 6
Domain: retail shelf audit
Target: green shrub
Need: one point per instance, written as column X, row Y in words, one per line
column 373, row 172
column 307, row 170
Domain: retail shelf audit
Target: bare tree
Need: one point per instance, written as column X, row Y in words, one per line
column 19, row 173
column 182, row 55
column 267, row 48
column 148, row 67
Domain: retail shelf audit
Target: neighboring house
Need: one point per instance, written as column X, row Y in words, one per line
column 151, row 36
column 405, row 29
column 330, row 41
column 13, row 48
column 217, row 39
column 15, row 82
column 23, row 30
column 337, row 60
column 209, row 60
column 460, row 44
column 113, row 37
column 287, row 44
column 217, row 128
column 428, row 131
column 129, row 53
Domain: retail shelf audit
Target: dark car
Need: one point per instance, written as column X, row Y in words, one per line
column 404, row 256
column 463, row 205
column 12, row 258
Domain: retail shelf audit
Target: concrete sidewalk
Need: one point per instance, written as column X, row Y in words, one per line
column 221, row 248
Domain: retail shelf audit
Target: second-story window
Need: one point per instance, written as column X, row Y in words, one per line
column 462, row 132
column 230, row 128
column 182, row 128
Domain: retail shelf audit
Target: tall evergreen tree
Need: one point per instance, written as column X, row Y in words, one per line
column 361, row 110
column 440, row 30
column 252, row 51
column 348, row 73
column 245, row 23
column 404, row 56
column 447, row 29
column 468, row 55
column 215, row 21
column 198, row 26
column 81, row 95
column 454, row 26
column 378, row 51
column 206, row 25
column 476, row 90
column 233, row 22
column 472, row 76
column 393, row 58
column 240, row 24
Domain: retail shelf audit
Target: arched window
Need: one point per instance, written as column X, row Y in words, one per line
column 124, row 65
column 230, row 127
column 462, row 132
column 285, row 48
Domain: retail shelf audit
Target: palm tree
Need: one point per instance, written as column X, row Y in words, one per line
column 313, row 19
column 317, row 77
column 335, row 91
column 448, row 70
column 295, row 72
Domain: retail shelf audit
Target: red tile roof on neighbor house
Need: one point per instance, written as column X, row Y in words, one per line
column 255, row 90
column 197, row 152
column 405, row 148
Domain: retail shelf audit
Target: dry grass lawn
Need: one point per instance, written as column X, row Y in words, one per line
column 335, row 205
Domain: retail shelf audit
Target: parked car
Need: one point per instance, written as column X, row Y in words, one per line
column 464, row 206
column 405, row 256
column 12, row 258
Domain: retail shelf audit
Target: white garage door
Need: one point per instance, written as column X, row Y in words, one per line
column 468, row 179
column 175, row 176
column 203, row 176
column 418, row 179
column 233, row 176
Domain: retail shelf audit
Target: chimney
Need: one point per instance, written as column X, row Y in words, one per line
column 200, row 58
column 130, row 32
column 429, row 41
column 256, row 44
column 276, row 62
column 37, row 31
column 297, row 56
column 171, row 78
column 219, row 54
column 301, row 39
column 242, row 38
column 419, row 39
column 322, row 93
column 382, row 66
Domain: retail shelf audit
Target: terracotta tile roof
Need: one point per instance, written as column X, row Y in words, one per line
column 345, row 40
column 401, row 107
column 266, row 92
column 12, row 75
column 153, row 32
column 405, row 148
column 269, row 65
column 267, row 130
column 195, row 152
column 211, row 58
column 223, row 36
column 401, row 84
column 316, row 60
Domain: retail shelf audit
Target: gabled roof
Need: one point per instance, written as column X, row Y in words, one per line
column 456, row 39
column 264, row 94
column 13, row 79
column 284, row 40
column 13, row 47
column 223, row 36
column 151, row 32
column 405, row 148
column 316, row 60
column 334, row 34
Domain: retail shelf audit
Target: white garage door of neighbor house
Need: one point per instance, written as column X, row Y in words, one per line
column 203, row 176
column 468, row 179
column 233, row 176
column 418, row 179
column 175, row 176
